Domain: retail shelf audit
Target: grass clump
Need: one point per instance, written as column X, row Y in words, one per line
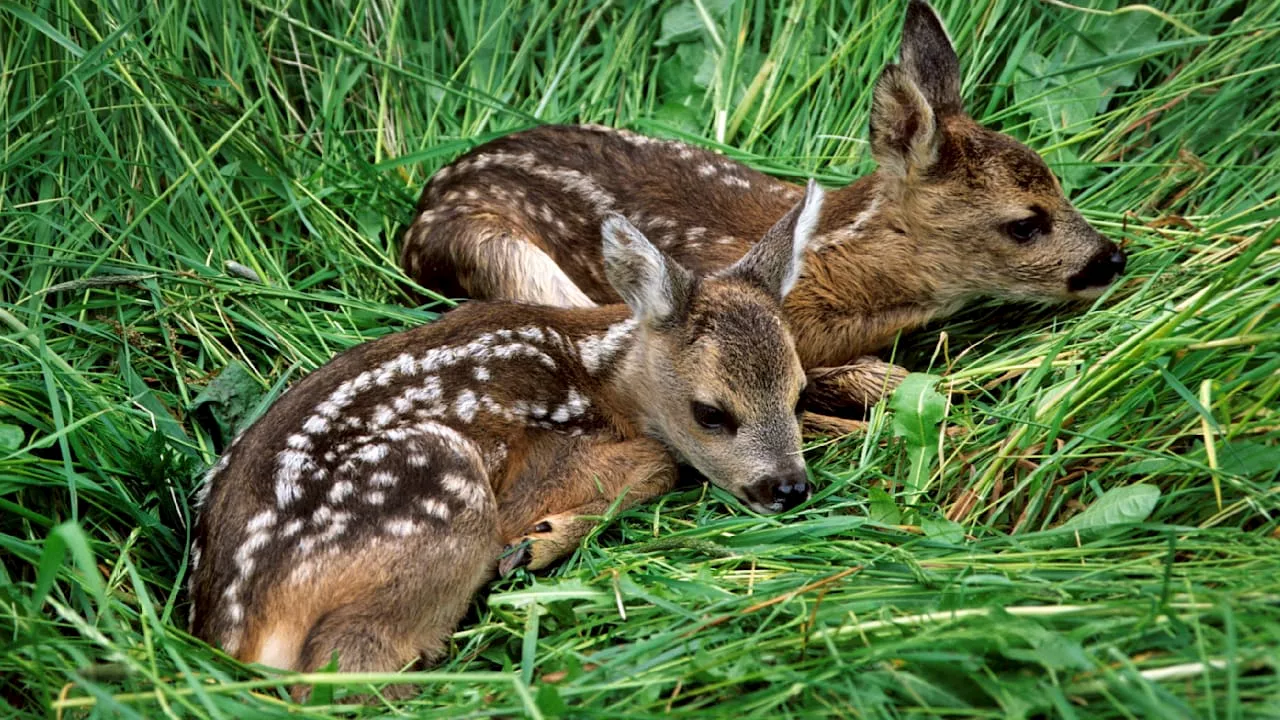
column 201, row 204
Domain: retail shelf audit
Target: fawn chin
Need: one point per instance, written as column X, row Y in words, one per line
column 954, row 212
column 363, row 511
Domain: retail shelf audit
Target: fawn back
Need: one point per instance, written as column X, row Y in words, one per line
column 955, row 211
column 364, row 509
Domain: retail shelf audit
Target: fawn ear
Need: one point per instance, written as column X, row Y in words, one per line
column 910, row 97
column 776, row 261
column 655, row 287
column 930, row 60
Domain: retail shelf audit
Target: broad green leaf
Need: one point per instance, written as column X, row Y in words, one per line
column 881, row 508
column 229, row 399
column 549, row 700
column 942, row 529
column 683, row 22
column 1117, row 506
column 10, row 438
column 918, row 408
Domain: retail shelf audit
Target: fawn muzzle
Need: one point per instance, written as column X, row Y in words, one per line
column 779, row 492
column 1102, row 269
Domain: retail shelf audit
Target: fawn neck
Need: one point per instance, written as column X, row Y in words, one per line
column 870, row 274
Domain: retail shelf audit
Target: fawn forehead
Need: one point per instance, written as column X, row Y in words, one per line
column 736, row 342
column 990, row 162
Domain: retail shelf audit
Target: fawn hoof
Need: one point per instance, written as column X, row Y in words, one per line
column 516, row 555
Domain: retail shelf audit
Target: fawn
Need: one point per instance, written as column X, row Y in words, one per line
column 954, row 212
column 361, row 513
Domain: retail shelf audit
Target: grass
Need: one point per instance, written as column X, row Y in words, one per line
column 148, row 147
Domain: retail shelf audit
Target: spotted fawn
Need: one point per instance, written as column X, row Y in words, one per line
column 954, row 212
column 361, row 513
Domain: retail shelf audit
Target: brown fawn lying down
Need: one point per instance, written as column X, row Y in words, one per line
column 954, row 212
column 361, row 513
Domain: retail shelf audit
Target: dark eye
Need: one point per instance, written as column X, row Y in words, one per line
column 711, row 417
column 1024, row 230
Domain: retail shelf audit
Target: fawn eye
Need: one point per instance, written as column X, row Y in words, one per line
column 711, row 417
column 1028, row 228
column 1024, row 230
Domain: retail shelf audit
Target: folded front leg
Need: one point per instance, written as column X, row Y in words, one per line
column 545, row 518
column 860, row 384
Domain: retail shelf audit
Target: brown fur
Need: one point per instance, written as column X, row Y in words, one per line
column 360, row 514
column 929, row 231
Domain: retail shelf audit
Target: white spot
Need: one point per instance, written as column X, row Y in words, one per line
column 576, row 403
column 400, row 527
column 417, row 460
column 322, row 515
column 375, row 497
column 735, row 181
column 298, row 442
column 337, row 526
column 532, row 334
column 291, row 528
column 481, row 373
column 465, row 406
column 306, row 544
column 341, row 490
column 435, row 508
column 261, row 521
column 598, row 350
column 383, row 416
column 328, row 409
column 292, row 463
column 471, row 493
column 383, row 479
column 371, row 453
column 706, row 169
column 195, row 558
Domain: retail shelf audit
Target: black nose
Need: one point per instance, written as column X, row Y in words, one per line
column 790, row 488
column 1102, row 268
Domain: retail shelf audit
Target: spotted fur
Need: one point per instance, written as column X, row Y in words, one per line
column 931, row 230
column 364, row 509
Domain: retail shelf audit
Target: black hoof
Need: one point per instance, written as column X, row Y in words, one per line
column 514, row 556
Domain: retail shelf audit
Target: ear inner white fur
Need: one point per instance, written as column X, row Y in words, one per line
column 775, row 262
column 806, row 226
column 636, row 269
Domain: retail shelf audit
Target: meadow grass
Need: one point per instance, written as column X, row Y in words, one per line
column 201, row 203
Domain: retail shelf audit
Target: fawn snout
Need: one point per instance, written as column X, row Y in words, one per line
column 779, row 491
column 1101, row 270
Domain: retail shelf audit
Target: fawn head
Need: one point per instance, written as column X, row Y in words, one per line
column 984, row 199
column 718, row 374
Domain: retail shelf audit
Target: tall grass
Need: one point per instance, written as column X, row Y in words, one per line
column 201, row 203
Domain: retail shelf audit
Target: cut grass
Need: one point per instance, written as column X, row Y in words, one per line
column 144, row 150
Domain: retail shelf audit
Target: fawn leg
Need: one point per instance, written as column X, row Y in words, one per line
column 862, row 383
column 828, row 425
column 556, row 514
